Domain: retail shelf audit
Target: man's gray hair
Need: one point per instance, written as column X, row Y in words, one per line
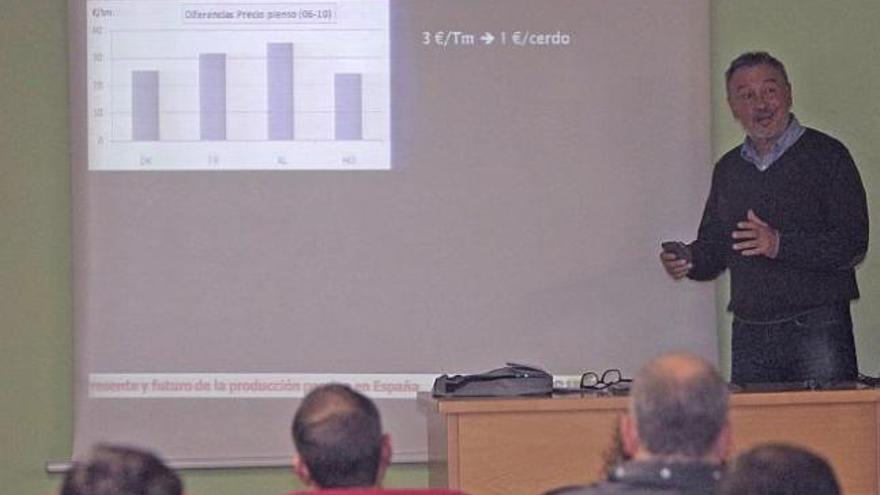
column 679, row 402
column 753, row 59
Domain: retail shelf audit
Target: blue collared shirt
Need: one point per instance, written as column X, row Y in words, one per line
column 792, row 133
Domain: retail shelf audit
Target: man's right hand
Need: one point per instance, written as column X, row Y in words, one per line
column 676, row 267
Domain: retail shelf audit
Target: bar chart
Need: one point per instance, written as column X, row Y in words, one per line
column 189, row 85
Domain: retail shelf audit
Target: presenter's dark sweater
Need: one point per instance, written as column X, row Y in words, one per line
column 814, row 197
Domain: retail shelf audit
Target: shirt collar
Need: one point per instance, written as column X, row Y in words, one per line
column 789, row 136
column 670, row 474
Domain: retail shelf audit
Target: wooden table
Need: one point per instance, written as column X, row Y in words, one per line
column 528, row 445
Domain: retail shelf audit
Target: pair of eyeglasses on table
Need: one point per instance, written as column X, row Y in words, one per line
column 610, row 382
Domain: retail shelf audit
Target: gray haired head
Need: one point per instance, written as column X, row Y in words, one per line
column 753, row 59
column 679, row 403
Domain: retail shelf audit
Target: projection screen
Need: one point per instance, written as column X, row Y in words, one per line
column 272, row 195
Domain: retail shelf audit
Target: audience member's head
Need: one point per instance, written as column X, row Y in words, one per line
column 339, row 440
column 678, row 410
column 115, row 470
column 778, row 469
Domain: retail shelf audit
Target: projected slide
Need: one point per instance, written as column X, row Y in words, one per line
column 197, row 85
column 540, row 151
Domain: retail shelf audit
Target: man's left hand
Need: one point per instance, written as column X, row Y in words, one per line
column 754, row 237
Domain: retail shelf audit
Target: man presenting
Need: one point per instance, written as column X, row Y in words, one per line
column 787, row 215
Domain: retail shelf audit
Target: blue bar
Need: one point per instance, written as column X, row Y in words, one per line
column 349, row 110
column 212, row 96
column 279, row 77
column 145, row 105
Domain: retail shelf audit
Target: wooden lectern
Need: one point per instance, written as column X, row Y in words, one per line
column 509, row 446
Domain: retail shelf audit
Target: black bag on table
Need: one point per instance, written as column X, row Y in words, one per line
column 509, row 381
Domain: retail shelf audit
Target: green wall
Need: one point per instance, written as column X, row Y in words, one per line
column 829, row 48
column 35, row 353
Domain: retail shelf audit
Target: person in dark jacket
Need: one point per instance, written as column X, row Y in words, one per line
column 676, row 434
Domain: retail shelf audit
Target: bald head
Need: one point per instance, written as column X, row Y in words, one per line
column 679, row 404
column 338, row 435
column 678, row 367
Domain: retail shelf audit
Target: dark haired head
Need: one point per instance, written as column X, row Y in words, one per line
column 115, row 470
column 778, row 469
column 338, row 436
column 752, row 59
